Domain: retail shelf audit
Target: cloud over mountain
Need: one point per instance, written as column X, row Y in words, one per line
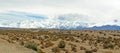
column 61, row 21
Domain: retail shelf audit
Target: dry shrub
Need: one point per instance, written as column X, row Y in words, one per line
column 94, row 50
column 107, row 52
column 61, row 44
column 82, row 48
column 55, row 49
column 88, row 51
column 40, row 51
column 74, row 49
column 31, row 46
column 48, row 44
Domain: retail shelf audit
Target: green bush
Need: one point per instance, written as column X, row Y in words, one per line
column 31, row 46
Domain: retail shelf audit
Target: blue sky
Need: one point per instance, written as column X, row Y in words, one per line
column 92, row 12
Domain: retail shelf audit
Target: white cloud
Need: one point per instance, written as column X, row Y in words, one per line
column 99, row 12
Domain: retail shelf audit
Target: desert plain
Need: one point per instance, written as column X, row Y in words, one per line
column 59, row 41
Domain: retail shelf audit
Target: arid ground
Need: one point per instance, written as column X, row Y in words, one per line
column 6, row 47
column 60, row 41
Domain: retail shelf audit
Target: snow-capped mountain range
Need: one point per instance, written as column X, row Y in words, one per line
column 15, row 19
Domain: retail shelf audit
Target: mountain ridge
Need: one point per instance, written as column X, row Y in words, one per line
column 105, row 27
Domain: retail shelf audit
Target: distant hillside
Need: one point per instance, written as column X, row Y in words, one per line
column 105, row 27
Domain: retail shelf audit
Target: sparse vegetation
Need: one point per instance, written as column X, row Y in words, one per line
column 66, row 41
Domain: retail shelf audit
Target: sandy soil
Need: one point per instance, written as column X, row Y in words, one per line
column 6, row 47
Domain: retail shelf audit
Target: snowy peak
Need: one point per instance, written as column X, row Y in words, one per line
column 66, row 21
